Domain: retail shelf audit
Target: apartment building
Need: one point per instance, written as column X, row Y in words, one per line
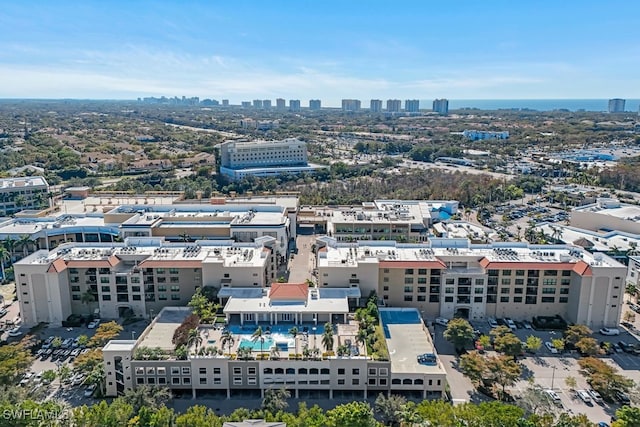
column 351, row 105
column 17, row 194
column 375, row 106
column 281, row 104
column 616, row 105
column 441, row 106
column 478, row 135
column 394, row 105
column 301, row 363
column 315, row 104
column 451, row 277
column 136, row 278
column 412, row 105
column 633, row 271
column 294, row 105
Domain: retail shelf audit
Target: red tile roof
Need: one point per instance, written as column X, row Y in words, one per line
column 57, row 266
column 94, row 263
column 580, row 267
column 289, row 291
column 168, row 263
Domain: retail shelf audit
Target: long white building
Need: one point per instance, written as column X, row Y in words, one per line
column 17, row 194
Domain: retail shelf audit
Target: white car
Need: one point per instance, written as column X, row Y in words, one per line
column 15, row 332
column 492, row 322
column 584, row 396
column 88, row 392
column 510, row 324
column 595, row 396
column 610, row 331
column 553, row 395
column 527, row 325
column 93, row 324
column 441, row 321
column 550, row 347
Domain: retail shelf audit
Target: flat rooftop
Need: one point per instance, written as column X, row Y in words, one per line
column 623, row 211
column 33, row 225
column 119, row 345
column 160, row 332
column 599, row 240
column 407, row 337
column 22, row 182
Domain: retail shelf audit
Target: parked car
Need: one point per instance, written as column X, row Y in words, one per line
column 550, row 347
column 15, row 332
column 47, row 343
column 67, row 343
column 554, row 396
column 492, row 322
column 93, row 324
column 88, row 392
column 585, row 396
column 610, row 331
column 441, row 321
column 627, row 348
column 510, row 323
column 622, row 398
column 3, row 312
column 527, row 325
column 595, row 396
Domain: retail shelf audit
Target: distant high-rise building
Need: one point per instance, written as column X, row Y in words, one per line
column 350, row 105
column 245, row 104
column 281, row 104
column 266, row 104
column 225, row 102
column 294, row 104
column 441, row 106
column 375, row 106
column 616, row 105
column 394, row 105
column 412, row 105
column 257, row 103
column 315, row 104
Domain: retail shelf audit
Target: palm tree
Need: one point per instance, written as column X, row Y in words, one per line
column 10, row 245
column 25, row 242
column 194, row 338
column 146, row 396
column 361, row 336
column 294, row 333
column 185, row 237
column 327, row 337
column 258, row 335
column 227, row 338
column 4, row 256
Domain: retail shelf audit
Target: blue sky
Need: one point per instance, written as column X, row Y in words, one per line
column 242, row 50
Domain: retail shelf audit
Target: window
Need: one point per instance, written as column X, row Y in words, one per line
column 175, row 380
column 479, row 282
column 340, row 371
column 74, row 297
column 251, row 381
column 186, row 370
column 175, row 297
column 504, row 299
column 422, row 280
column 478, row 290
column 162, row 371
column 383, row 371
column 386, row 270
column 237, row 380
column 355, row 381
column 173, row 271
column 549, row 282
column 371, row 381
column 203, row 380
column 422, row 271
column 519, row 272
column 505, row 290
column 106, row 288
column 104, row 280
column 175, row 288
column 385, row 280
column 506, row 272
column 408, row 271
column 448, row 290
column 566, row 273
column 564, row 291
column 422, row 289
column 563, row 300
column 75, row 288
column 531, row 299
column 477, row 299
column 175, row 370
column 141, row 380
column 106, row 297
column 324, row 371
column 216, row 371
column 408, row 297
column 408, row 288
column 385, row 288
column 203, row 371
column 506, row 282
column 422, row 298
column 548, row 290
column 341, row 381
column 373, row 372
column 518, row 291
column 355, row 371
column 517, row 299
column 251, row 371
column 548, row 299
column 448, row 299
column 217, row 380
column 408, row 280
column 382, row 381
column 551, row 272
column 519, row 282
column 450, row 281
column 162, row 380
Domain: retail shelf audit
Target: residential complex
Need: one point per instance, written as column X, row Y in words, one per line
column 476, row 135
column 315, row 104
column 375, row 106
column 451, row 277
column 441, row 106
column 294, row 105
column 263, row 158
column 136, row 278
column 394, row 105
column 412, row 105
column 17, row 194
column 281, row 104
column 616, row 105
column 350, row 105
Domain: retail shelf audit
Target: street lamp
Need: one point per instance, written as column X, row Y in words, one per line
column 553, row 376
column 133, row 335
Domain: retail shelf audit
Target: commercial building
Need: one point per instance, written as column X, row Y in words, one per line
column 350, row 105
column 394, row 105
column 281, row 104
column 607, row 215
column 441, row 106
column 616, row 105
column 401, row 220
column 17, row 194
column 451, row 277
column 263, row 158
column 375, row 106
column 136, row 278
column 412, row 105
column 315, row 104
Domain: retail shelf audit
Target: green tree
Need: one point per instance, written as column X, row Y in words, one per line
column 202, row 307
column 588, row 346
column 275, row 400
column 485, row 341
column 327, row 337
column 227, row 339
column 83, row 340
column 15, row 359
column 49, row 375
column 353, row 414
column 499, row 331
column 57, row 342
column 558, row 344
column 194, row 339
column 4, row 257
column 460, row 333
column 627, row 416
column 294, row 334
column 533, row 343
column 259, row 336
column 503, row 371
column 509, row 344
column 575, row 333
column 104, row 333
column 603, row 377
column 473, row 366
column 116, row 414
column 390, row 408
column 534, row 400
column 145, row 396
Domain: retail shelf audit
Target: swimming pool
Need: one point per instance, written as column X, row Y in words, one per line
column 256, row 345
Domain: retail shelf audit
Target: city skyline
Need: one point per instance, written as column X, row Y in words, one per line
column 246, row 50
